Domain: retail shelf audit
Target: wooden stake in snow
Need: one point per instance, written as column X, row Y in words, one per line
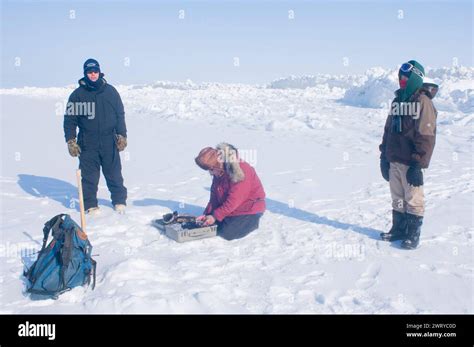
column 81, row 201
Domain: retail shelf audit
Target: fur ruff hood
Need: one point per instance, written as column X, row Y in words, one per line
column 229, row 155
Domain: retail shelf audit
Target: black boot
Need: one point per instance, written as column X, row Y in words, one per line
column 413, row 231
column 399, row 226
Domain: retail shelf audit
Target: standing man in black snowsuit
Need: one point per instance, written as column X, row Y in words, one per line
column 96, row 108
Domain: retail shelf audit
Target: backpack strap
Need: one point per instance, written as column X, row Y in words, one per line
column 94, row 267
column 66, row 253
column 92, row 274
column 53, row 224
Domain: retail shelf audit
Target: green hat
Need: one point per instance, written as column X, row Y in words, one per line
column 415, row 73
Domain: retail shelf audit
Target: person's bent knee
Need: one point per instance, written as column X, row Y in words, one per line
column 230, row 237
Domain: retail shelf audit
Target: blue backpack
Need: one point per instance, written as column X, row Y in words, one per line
column 65, row 263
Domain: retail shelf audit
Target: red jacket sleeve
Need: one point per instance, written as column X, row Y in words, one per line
column 238, row 193
column 212, row 200
column 208, row 208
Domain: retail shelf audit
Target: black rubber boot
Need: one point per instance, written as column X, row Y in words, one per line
column 413, row 231
column 398, row 230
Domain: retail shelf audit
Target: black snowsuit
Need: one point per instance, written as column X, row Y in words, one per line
column 97, row 138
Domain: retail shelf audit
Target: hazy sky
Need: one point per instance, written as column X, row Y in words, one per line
column 144, row 41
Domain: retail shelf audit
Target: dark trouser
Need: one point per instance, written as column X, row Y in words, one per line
column 236, row 227
column 90, row 162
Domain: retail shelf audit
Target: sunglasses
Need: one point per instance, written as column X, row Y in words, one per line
column 407, row 67
column 92, row 71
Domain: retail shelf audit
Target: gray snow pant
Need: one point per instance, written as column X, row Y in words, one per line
column 232, row 228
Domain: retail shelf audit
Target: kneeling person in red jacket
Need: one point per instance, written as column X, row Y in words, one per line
column 237, row 197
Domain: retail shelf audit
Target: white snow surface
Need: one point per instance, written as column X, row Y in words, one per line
column 314, row 143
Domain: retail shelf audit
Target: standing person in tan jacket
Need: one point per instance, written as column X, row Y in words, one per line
column 407, row 145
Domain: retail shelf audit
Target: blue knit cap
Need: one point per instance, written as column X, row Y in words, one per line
column 91, row 65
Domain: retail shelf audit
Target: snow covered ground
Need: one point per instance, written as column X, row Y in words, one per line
column 314, row 142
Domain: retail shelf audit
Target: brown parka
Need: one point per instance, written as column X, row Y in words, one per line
column 415, row 143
